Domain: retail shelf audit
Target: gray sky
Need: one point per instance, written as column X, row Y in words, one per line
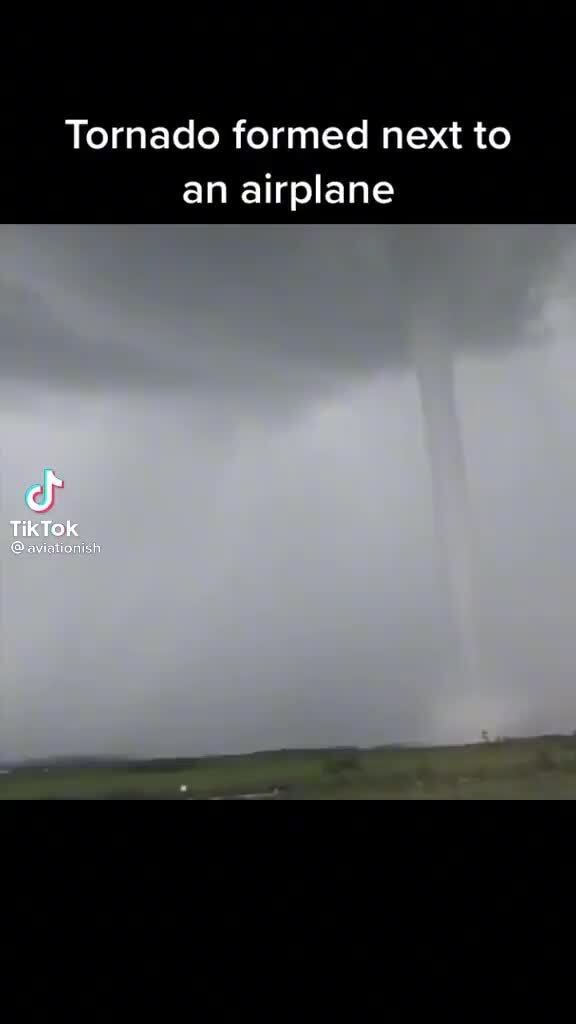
column 235, row 417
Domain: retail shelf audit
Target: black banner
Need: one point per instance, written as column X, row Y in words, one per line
column 399, row 160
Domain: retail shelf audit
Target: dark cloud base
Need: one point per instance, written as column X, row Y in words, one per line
column 218, row 307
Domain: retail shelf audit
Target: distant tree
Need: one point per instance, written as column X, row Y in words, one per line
column 485, row 736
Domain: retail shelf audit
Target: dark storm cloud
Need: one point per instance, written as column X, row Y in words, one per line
column 231, row 308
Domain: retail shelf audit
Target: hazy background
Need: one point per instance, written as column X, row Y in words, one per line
column 234, row 416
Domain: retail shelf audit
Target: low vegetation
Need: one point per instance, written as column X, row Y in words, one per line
column 538, row 768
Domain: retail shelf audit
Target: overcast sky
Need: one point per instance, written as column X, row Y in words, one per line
column 237, row 422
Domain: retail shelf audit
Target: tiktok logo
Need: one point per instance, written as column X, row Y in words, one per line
column 46, row 492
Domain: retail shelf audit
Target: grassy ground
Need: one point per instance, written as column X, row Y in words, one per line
column 535, row 769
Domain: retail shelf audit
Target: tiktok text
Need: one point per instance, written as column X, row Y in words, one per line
column 44, row 528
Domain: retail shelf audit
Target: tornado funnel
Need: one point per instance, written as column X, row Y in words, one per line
column 434, row 365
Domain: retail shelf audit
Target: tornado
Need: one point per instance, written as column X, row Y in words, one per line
column 433, row 362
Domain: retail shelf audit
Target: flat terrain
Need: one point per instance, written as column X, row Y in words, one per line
column 542, row 768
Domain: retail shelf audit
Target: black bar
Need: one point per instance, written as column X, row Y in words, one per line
column 44, row 179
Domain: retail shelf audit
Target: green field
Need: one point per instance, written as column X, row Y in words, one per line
column 542, row 768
